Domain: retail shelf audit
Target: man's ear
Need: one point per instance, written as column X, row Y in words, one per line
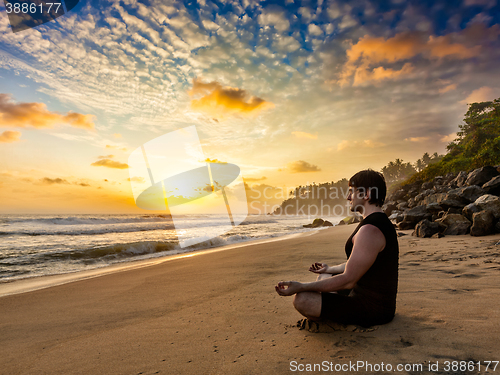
column 367, row 195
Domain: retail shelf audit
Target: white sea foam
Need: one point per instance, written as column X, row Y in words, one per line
column 35, row 245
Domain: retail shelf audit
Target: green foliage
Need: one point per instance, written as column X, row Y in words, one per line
column 477, row 143
column 397, row 170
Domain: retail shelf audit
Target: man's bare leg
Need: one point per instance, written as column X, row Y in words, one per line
column 309, row 303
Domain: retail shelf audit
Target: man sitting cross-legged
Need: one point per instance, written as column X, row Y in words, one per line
column 363, row 289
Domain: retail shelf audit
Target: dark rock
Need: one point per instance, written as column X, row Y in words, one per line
column 411, row 203
column 469, row 193
column 448, row 178
column 456, row 224
column 437, row 235
column 402, row 206
column 483, row 223
column 427, row 185
column 399, row 195
column 413, row 216
column 425, row 228
column 481, row 176
column 438, row 180
column 432, row 198
column 413, row 192
column 356, row 218
column 433, row 208
column 492, row 186
column 388, row 207
column 459, row 181
column 396, row 216
column 497, row 228
column 401, row 234
column 490, row 203
column 454, row 210
column 451, row 200
column 469, row 210
column 317, row 223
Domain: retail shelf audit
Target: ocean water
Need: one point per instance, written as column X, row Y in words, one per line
column 38, row 245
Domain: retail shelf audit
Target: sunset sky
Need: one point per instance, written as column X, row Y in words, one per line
column 292, row 92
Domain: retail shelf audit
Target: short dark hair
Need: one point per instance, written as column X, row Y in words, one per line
column 373, row 182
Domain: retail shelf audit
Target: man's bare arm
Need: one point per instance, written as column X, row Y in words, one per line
column 368, row 242
column 324, row 268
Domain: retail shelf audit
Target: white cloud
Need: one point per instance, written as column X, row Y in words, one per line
column 314, row 29
column 274, row 17
column 347, row 21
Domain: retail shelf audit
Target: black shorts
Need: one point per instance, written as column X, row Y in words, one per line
column 349, row 309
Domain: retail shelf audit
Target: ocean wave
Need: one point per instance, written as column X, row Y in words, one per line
column 84, row 230
column 107, row 253
column 87, row 220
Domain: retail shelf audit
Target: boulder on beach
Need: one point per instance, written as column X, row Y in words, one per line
column 456, row 224
column 483, row 223
column 490, row 203
column 351, row 220
column 492, row 186
column 426, row 228
column 481, row 176
column 318, row 223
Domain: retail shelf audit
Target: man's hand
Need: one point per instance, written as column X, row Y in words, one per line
column 318, row 267
column 288, row 288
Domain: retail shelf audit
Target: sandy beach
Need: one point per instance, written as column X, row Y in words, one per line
column 218, row 313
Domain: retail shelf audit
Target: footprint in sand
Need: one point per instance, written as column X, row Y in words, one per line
column 329, row 327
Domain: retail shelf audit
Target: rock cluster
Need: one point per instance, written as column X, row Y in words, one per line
column 449, row 205
column 318, row 223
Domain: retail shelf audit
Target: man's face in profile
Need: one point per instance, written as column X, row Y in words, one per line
column 355, row 197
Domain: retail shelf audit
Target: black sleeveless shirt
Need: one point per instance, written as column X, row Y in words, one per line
column 379, row 285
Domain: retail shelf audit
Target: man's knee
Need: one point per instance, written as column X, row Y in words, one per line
column 308, row 304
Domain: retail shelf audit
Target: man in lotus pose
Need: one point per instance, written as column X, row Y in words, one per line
column 362, row 290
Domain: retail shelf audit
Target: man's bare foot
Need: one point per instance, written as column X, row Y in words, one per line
column 328, row 327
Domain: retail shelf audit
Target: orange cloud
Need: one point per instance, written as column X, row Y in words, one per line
column 50, row 181
column 368, row 52
column 305, row 135
column 218, row 100
column 367, row 143
column 10, row 136
column 251, row 179
column 302, row 166
column 448, row 88
column 37, row 115
column 417, row 139
column 378, row 74
column 109, row 164
column 208, row 160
